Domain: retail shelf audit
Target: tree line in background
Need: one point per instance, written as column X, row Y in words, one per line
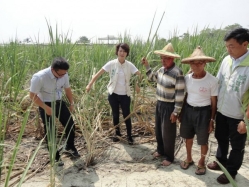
column 207, row 32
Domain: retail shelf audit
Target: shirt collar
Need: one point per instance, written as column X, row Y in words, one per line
column 165, row 70
column 240, row 59
column 120, row 63
column 50, row 73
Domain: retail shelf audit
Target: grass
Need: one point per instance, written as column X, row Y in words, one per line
column 18, row 62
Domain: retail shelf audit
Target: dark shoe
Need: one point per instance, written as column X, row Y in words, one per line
column 118, row 133
column 214, row 166
column 71, row 150
column 222, row 179
column 130, row 140
column 115, row 139
column 59, row 163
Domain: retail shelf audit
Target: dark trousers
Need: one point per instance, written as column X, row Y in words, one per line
column 124, row 102
column 226, row 130
column 63, row 114
column 165, row 130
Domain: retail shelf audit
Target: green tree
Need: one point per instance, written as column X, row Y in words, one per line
column 83, row 39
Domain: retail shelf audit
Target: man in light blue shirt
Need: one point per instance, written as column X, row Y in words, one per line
column 233, row 104
column 46, row 90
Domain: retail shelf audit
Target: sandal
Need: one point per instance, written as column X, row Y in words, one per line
column 156, row 154
column 198, row 170
column 166, row 163
column 185, row 164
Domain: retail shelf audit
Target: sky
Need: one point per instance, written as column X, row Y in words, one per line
column 20, row 19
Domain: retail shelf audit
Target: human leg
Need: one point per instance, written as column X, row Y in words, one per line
column 168, row 130
column 158, row 131
column 66, row 119
column 201, row 167
column 114, row 103
column 125, row 102
column 237, row 152
column 187, row 132
column 188, row 161
column 49, row 128
column 222, row 136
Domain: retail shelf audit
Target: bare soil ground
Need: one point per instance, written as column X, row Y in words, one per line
column 116, row 165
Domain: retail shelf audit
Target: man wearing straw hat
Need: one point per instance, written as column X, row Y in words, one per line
column 233, row 99
column 170, row 95
column 197, row 116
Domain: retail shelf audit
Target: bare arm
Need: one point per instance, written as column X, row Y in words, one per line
column 138, row 81
column 242, row 125
column 95, row 77
column 151, row 76
column 38, row 101
column 213, row 112
column 69, row 95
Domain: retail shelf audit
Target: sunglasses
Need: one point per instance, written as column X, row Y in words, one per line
column 60, row 75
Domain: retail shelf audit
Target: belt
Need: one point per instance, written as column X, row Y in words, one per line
column 198, row 108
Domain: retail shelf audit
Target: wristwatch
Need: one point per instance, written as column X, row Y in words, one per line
column 175, row 114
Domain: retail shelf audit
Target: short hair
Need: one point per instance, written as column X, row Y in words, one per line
column 239, row 34
column 124, row 46
column 60, row 63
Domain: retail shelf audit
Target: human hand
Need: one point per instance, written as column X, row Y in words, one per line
column 173, row 118
column 247, row 114
column 48, row 110
column 71, row 108
column 144, row 61
column 242, row 127
column 88, row 88
column 137, row 89
column 211, row 126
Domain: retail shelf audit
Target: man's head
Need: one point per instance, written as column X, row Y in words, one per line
column 197, row 60
column 167, row 61
column 197, row 66
column 167, row 55
column 236, row 42
column 59, row 67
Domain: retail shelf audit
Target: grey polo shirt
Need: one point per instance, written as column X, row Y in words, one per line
column 47, row 86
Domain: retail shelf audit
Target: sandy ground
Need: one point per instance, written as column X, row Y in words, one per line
column 133, row 166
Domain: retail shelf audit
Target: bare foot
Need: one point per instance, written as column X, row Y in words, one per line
column 156, row 154
column 166, row 163
column 185, row 164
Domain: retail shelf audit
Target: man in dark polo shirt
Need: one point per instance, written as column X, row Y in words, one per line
column 46, row 91
column 170, row 95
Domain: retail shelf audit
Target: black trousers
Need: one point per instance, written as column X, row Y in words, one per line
column 226, row 130
column 124, row 102
column 165, row 130
column 63, row 114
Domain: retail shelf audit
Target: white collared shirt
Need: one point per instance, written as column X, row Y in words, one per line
column 120, row 75
column 47, row 86
column 237, row 61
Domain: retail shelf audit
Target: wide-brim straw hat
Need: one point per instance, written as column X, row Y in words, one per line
column 198, row 54
column 168, row 50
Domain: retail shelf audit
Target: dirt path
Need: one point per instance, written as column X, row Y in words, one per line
column 122, row 165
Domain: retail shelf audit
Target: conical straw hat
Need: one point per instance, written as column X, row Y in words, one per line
column 198, row 55
column 168, row 50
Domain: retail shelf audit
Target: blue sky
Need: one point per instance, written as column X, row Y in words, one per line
column 98, row 18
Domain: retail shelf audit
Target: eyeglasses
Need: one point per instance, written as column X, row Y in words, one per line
column 60, row 75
